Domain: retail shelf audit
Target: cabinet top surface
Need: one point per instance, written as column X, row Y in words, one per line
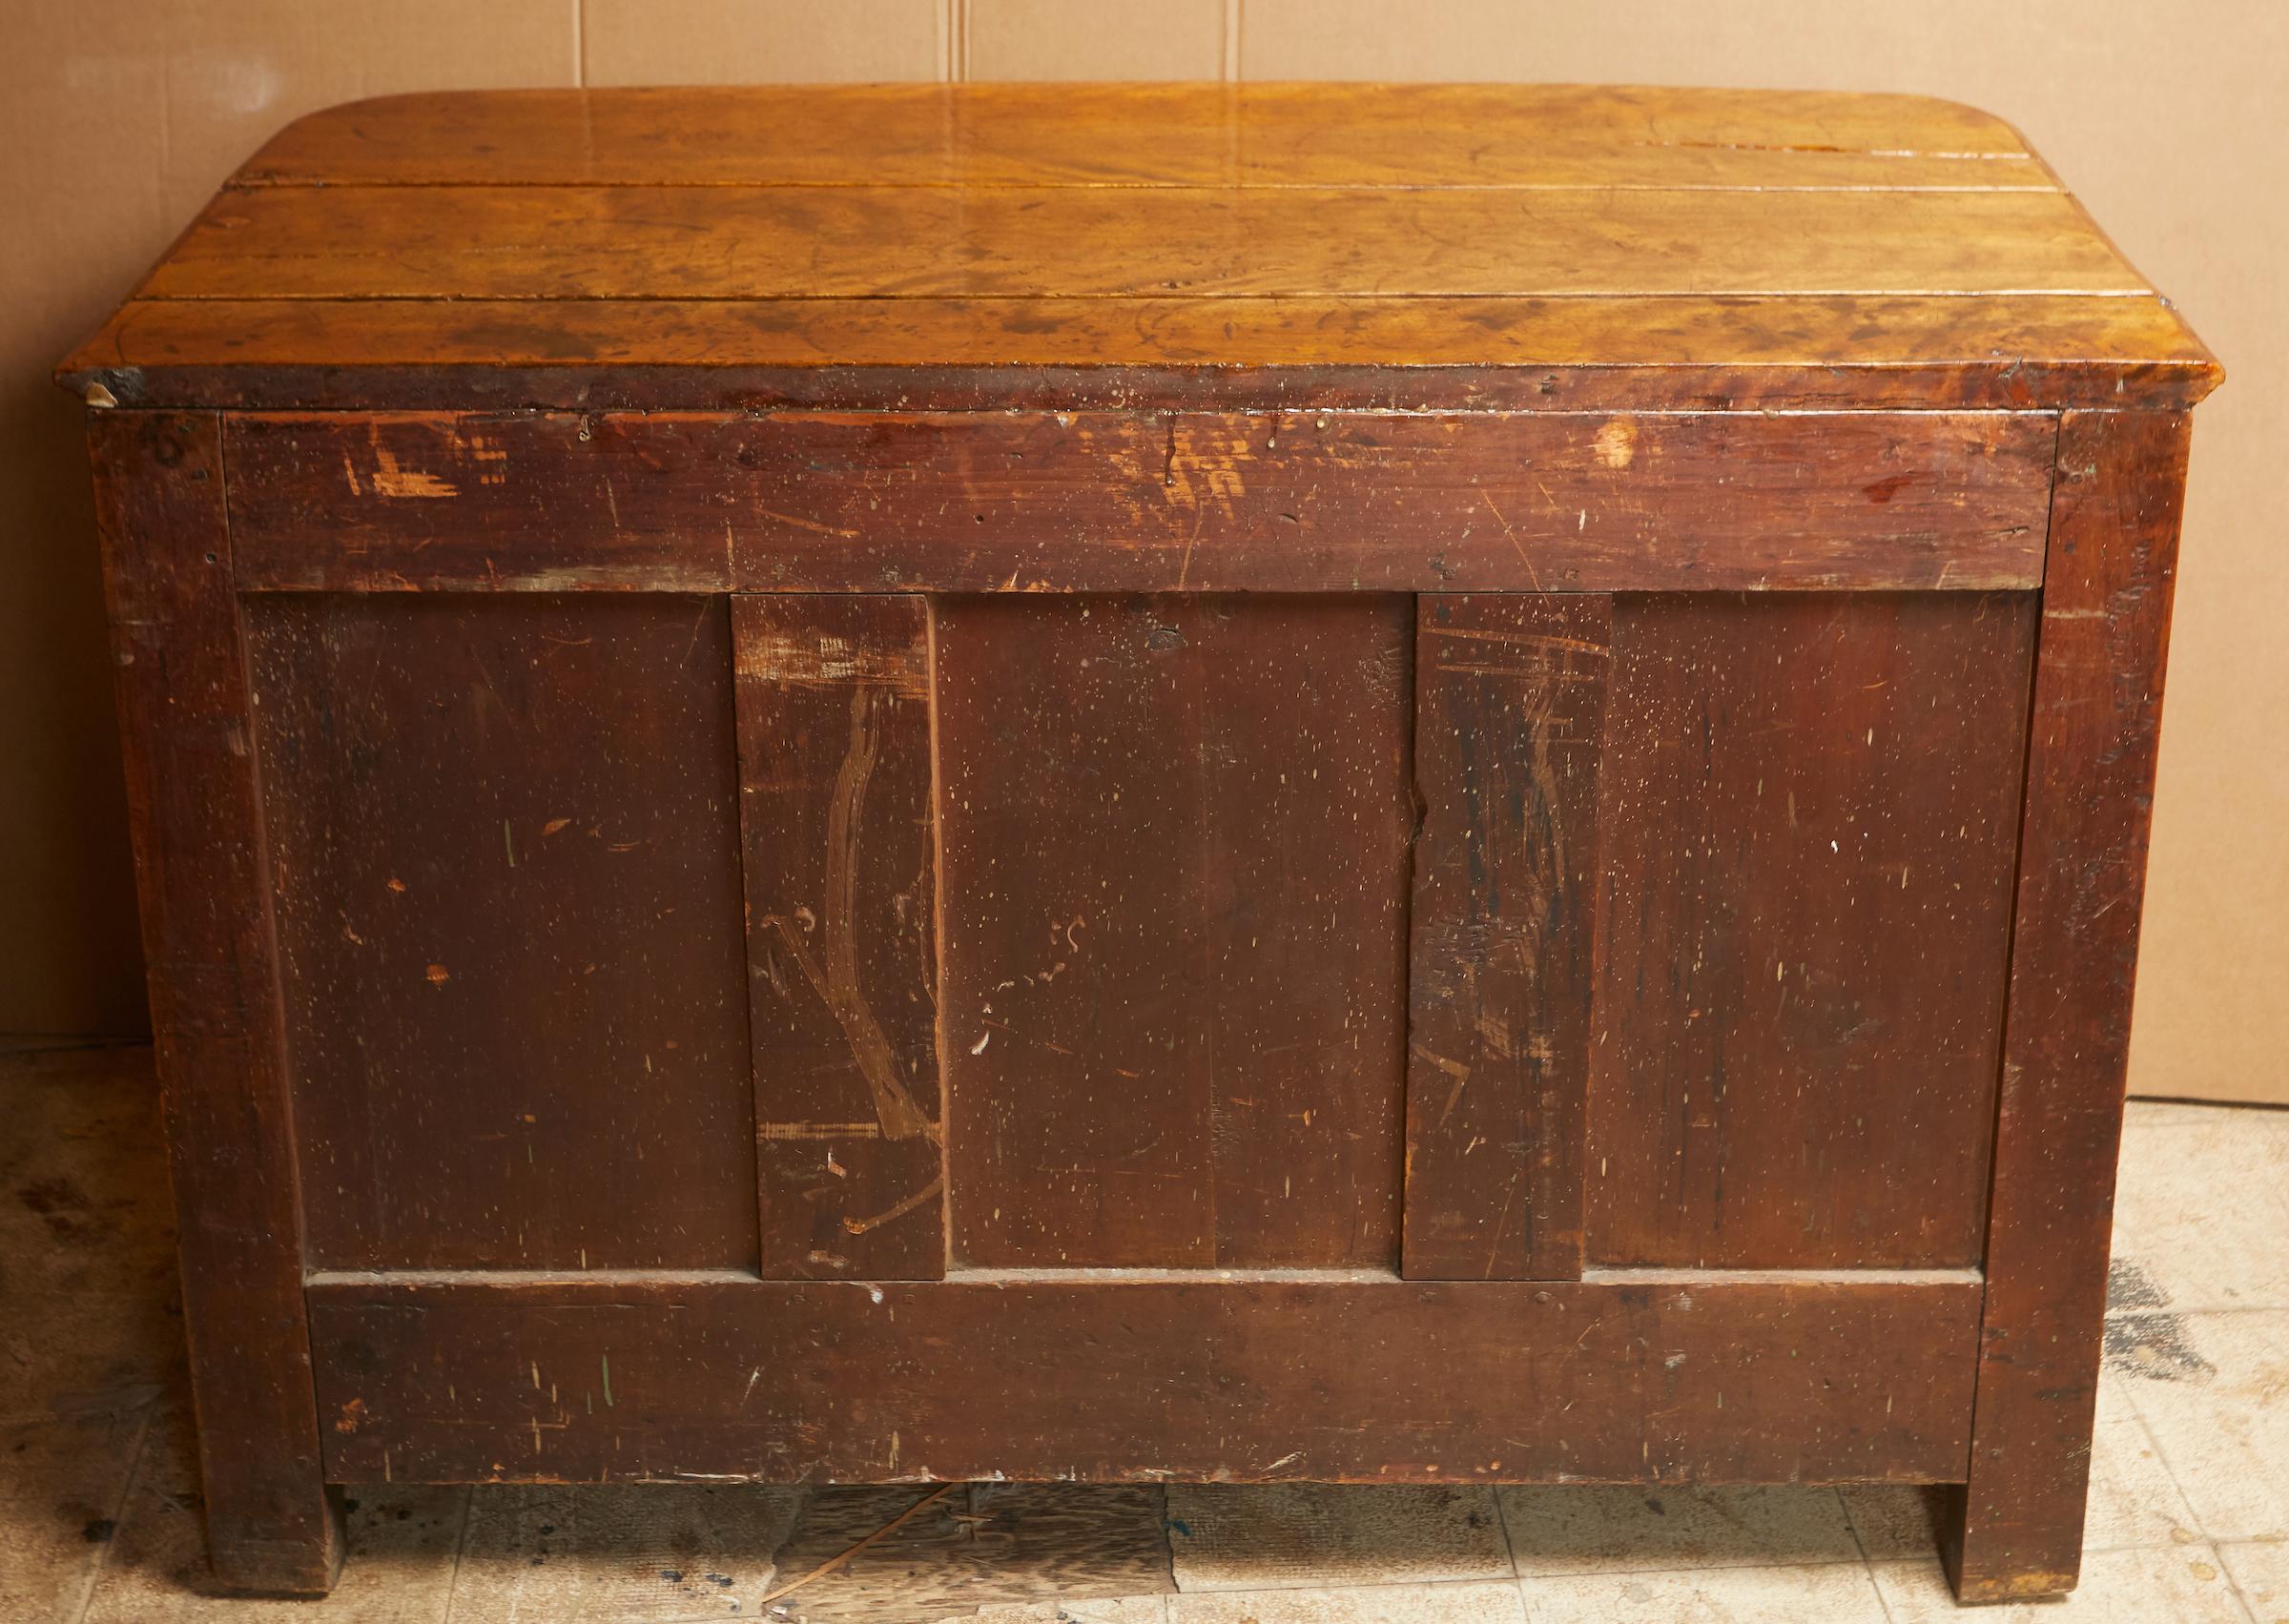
column 1459, row 246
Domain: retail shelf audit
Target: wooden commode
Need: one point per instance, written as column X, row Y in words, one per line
column 1372, row 784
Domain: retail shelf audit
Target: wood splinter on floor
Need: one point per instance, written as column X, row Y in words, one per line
column 836, row 1562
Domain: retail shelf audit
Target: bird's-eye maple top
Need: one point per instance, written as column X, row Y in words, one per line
column 1436, row 246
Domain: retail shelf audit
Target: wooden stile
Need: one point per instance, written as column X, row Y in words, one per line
column 202, row 873
column 2015, row 1529
column 840, row 835
column 1509, row 716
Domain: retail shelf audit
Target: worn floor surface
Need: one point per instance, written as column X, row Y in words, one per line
column 99, row 1498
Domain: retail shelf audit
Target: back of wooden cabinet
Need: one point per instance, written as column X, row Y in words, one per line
column 814, row 829
column 889, row 936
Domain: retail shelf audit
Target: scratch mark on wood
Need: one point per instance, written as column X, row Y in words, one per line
column 810, row 524
column 1511, row 537
column 817, row 1130
column 826, row 661
column 390, row 478
column 861, row 1225
column 837, row 980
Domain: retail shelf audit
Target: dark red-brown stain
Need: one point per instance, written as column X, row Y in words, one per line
column 794, row 823
column 1175, row 833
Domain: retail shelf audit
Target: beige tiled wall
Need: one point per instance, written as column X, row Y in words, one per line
column 117, row 116
column 1093, row 39
column 734, row 42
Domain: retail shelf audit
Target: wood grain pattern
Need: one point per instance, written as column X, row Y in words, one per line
column 841, row 876
column 1806, row 816
column 1508, row 709
column 196, row 816
column 905, row 242
column 1671, row 1380
column 2018, row 1529
column 975, row 502
column 504, row 847
column 1237, row 135
column 1566, row 245
column 434, row 503
column 1804, row 352
column 1175, row 842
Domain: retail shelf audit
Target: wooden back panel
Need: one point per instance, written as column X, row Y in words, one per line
column 1710, row 920
column 1807, row 822
column 506, row 867
column 1099, row 932
column 1198, row 927
column 1176, row 853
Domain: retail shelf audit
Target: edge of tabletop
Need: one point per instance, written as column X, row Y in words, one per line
column 111, row 369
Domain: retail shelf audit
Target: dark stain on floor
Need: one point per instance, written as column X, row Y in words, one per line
column 2129, row 1287
column 61, row 1205
column 2154, row 1347
column 2143, row 1337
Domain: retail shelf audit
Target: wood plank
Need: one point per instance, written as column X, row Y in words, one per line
column 195, row 813
column 1175, row 854
column 1523, row 355
column 1807, row 819
column 334, row 503
column 1509, row 711
column 1117, row 502
column 506, row 871
column 835, row 809
column 1256, row 135
column 2082, row 870
column 893, row 242
column 846, row 200
column 1296, row 1380
column 1661, row 352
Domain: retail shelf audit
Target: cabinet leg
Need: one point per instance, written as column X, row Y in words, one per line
column 194, row 810
column 260, row 1551
column 2017, row 1527
column 1994, row 1553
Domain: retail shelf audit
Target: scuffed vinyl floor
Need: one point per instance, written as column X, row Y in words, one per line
column 100, row 1515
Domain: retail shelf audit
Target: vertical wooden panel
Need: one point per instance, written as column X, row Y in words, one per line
column 208, row 937
column 1509, row 707
column 834, row 746
column 2082, row 871
column 1175, row 837
column 508, row 876
column 1807, row 812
